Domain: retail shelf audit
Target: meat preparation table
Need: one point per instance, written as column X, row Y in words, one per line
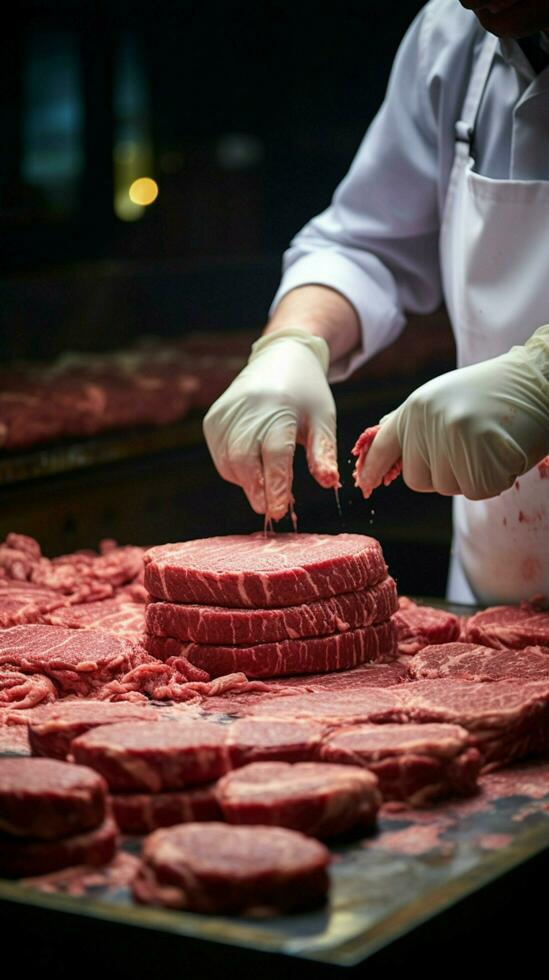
column 425, row 878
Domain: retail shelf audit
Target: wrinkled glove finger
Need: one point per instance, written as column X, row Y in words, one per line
column 277, row 455
column 321, row 451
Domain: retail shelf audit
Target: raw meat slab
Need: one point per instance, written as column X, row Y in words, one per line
column 48, row 799
column 263, row 570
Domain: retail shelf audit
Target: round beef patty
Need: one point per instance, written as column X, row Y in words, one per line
column 262, row 571
column 272, row 740
column 211, row 867
column 164, row 755
column 413, row 763
column 220, row 626
column 47, row 799
column 27, row 856
column 52, row 729
column 140, row 813
column 316, row 798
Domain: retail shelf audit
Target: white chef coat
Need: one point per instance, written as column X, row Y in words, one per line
column 378, row 241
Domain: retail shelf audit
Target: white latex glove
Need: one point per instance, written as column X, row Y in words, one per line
column 280, row 398
column 472, row 431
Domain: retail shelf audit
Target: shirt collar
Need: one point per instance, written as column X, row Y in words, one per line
column 511, row 52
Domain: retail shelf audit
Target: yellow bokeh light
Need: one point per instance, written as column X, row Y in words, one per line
column 143, row 191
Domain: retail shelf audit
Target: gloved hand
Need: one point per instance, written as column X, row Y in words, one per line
column 280, row 398
column 472, row 431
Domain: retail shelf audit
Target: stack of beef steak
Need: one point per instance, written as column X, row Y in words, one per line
column 52, row 815
column 271, row 605
column 159, row 774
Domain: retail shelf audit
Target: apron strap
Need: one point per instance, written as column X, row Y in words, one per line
column 465, row 126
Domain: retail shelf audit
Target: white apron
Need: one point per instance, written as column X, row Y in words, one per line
column 494, row 253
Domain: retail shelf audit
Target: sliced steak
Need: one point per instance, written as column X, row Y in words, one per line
column 144, row 757
column 506, row 720
column 268, row 740
column 317, row 798
column 413, row 763
column 48, row 799
column 263, row 571
column 306, row 656
column 28, row 856
column 509, row 626
column 368, row 675
column 216, row 625
column 52, row 729
column 418, row 626
column 140, row 813
column 470, row 662
column 23, row 602
column 120, row 616
column 334, row 708
column 209, row 867
column 78, row 661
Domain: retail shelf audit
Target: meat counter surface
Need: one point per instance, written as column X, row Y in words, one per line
column 414, row 868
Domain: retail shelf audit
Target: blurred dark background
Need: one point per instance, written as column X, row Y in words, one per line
column 245, row 116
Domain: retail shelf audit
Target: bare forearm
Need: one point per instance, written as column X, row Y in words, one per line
column 324, row 313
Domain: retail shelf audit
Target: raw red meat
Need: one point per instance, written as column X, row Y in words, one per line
column 18, row 690
column 263, row 570
column 316, row 798
column 52, row 729
column 360, row 449
column 144, row 757
column 48, row 799
column 417, row 626
column 83, row 576
column 216, row 625
column 77, row 661
column 140, row 813
column 334, row 708
column 306, row 656
column 471, row 662
column 506, row 720
column 268, row 740
column 414, row 763
column 368, row 675
column 23, row 602
column 509, row 626
column 210, row 867
column 119, row 616
column 29, row 856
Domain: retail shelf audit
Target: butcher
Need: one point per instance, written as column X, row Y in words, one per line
column 447, row 200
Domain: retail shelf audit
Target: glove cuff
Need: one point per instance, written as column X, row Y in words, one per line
column 317, row 345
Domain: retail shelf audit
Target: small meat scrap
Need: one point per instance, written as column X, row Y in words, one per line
column 141, row 813
column 309, row 655
column 47, row 799
column 22, row 691
column 214, row 868
column 144, row 757
column 418, row 625
column 413, row 763
column 218, row 625
column 472, row 662
column 316, row 798
column 360, row 450
column 261, row 571
column 512, row 627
